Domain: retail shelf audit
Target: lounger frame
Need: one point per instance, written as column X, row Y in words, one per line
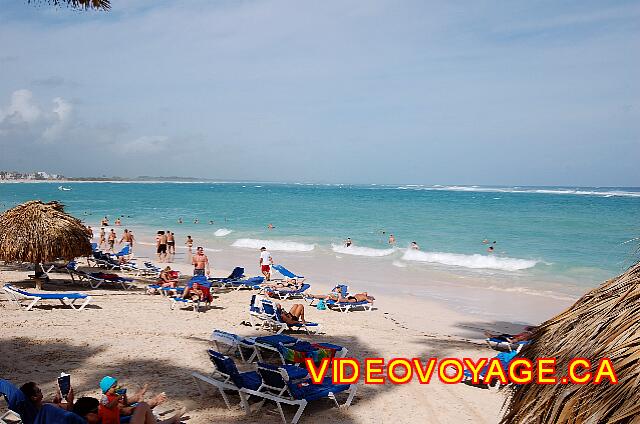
column 33, row 298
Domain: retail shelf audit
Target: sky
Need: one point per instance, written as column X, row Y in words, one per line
column 370, row 91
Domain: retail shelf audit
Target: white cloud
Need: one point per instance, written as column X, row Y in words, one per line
column 147, row 144
column 25, row 116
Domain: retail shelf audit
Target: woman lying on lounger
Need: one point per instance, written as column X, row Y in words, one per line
column 294, row 316
column 336, row 295
column 288, row 285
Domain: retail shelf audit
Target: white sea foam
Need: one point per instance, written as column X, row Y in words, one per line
column 276, row 245
column 475, row 261
column 399, row 264
column 221, row 232
column 361, row 251
column 576, row 191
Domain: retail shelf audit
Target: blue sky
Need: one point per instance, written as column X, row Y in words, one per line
column 526, row 93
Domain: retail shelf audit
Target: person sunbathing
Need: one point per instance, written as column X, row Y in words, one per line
column 165, row 278
column 294, row 316
column 88, row 407
column 512, row 338
column 287, row 284
column 194, row 293
column 336, row 295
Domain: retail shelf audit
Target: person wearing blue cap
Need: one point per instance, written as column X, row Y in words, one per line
column 114, row 403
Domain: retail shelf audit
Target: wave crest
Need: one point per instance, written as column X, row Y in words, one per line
column 475, row 261
column 221, row 232
column 275, row 245
column 361, row 251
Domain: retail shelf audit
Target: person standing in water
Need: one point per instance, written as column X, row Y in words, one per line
column 348, row 242
column 414, row 246
column 102, row 238
column 189, row 243
column 392, row 240
column 171, row 243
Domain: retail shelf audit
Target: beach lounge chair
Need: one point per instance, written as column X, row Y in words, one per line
column 288, row 275
column 349, row 306
column 504, row 357
column 247, row 283
column 274, row 320
column 226, row 377
column 96, row 279
column 236, row 274
column 290, row 385
column 205, row 286
column 256, row 312
column 20, row 409
column 285, row 294
column 51, row 414
column 502, row 344
column 232, row 344
column 18, row 295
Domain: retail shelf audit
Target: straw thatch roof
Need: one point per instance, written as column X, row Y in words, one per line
column 41, row 232
column 77, row 4
column 604, row 323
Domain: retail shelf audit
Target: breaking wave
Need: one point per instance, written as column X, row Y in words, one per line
column 221, row 232
column 275, row 245
column 361, row 251
column 475, row 261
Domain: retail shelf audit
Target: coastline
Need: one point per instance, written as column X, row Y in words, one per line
column 163, row 347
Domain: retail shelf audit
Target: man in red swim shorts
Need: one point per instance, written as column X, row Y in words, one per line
column 265, row 263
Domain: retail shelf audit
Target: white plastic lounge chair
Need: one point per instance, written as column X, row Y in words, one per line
column 274, row 320
column 225, row 377
column 290, row 385
column 18, row 295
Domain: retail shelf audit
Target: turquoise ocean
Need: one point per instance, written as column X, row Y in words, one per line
column 572, row 237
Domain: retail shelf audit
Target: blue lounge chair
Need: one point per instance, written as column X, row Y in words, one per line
column 504, row 357
column 290, row 385
column 96, row 279
column 285, row 294
column 51, row 414
column 19, row 407
column 226, row 377
column 17, row 295
column 288, row 275
column 273, row 319
column 236, row 274
column 247, row 283
column 502, row 344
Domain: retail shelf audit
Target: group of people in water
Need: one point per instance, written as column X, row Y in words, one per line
column 391, row 241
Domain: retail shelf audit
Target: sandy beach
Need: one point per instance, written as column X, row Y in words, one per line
column 137, row 338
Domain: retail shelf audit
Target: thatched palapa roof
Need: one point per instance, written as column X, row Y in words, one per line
column 41, row 232
column 77, row 4
column 604, row 323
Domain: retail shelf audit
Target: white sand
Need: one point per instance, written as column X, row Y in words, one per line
column 138, row 339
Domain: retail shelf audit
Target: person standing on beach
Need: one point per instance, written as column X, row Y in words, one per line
column 161, row 245
column 102, row 240
column 112, row 239
column 127, row 238
column 171, row 243
column 200, row 263
column 265, row 263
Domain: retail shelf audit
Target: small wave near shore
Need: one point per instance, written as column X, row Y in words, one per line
column 221, row 232
column 275, row 245
column 361, row 251
column 474, row 261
